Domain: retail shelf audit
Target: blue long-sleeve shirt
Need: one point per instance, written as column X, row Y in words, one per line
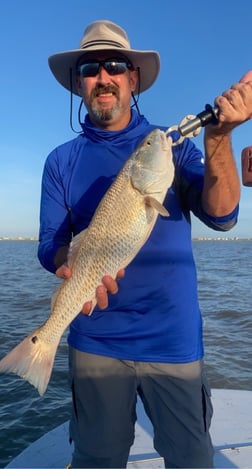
column 155, row 316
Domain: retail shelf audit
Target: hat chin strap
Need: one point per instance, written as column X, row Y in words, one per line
column 138, row 93
column 71, row 104
column 135, row 103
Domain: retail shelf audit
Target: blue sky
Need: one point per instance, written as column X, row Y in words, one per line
column 204, row 48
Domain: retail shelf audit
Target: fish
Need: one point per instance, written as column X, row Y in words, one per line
column 120, row 226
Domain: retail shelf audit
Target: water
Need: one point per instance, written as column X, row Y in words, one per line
column 224, row 280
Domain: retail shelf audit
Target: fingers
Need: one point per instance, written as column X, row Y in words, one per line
column 246, row 77
column 102, row 296
column 63, row 272
column 235, row 104
column 120, row 274
column 235, row 107
column 108, row 286
column 231, row 100
column 101, row 300
column 87, row 308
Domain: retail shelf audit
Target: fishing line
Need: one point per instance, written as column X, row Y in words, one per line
column 138, row 94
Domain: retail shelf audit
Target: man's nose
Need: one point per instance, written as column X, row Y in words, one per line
column 103, row 75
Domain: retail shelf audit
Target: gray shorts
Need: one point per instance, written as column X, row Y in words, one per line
column 176, row 397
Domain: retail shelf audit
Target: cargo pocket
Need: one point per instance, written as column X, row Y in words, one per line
column 74, row 417
column 206, row 404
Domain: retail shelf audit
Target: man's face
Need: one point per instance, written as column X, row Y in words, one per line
column 107, row 97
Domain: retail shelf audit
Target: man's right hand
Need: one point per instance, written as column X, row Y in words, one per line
column 108, row 286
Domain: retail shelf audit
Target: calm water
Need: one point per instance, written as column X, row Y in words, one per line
column 224, row 274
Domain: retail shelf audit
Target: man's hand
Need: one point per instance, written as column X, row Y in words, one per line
column 235, row 106
column 108, row 286
column 221, row 191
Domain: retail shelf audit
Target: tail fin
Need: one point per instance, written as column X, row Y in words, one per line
column 32, row 360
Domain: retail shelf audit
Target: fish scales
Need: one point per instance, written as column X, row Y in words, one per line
column 119, row 228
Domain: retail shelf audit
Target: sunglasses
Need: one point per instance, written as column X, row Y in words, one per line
column 112, row 67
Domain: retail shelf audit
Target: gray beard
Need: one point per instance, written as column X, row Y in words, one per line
column 105, row 115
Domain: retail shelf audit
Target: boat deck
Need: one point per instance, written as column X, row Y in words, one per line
column 231, row 432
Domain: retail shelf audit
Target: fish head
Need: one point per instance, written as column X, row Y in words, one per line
column 152, row 169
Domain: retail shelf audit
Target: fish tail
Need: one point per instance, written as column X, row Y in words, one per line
column 32, row 360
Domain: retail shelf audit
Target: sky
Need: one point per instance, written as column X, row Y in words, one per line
column 204, row 47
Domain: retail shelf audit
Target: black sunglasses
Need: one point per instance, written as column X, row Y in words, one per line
column 112, row 67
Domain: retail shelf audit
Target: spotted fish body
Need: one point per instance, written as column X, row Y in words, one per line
column 119, row 228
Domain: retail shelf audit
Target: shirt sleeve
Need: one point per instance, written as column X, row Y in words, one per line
column 55, row 225
column 189, row 179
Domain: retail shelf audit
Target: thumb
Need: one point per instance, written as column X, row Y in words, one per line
column 246, row 77
column 63, row 272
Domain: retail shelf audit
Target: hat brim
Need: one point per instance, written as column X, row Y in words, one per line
column 63, row 66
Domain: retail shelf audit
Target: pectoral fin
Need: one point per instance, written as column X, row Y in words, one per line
column 152, row 202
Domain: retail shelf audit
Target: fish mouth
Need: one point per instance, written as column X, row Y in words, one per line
column 164, row 140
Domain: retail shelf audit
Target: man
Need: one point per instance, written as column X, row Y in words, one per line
column 147, row 339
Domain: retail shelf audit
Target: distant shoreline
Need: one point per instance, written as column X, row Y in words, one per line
column 208, row 238
column 18, row 238
column 199, row 238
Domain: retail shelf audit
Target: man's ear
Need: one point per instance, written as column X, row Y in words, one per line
column 78, row 85
column 133, row 80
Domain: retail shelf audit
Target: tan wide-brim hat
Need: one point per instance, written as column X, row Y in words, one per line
column 104, row 36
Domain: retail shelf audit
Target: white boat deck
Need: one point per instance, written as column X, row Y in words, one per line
column 231, row 432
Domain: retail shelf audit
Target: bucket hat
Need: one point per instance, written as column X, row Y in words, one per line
column 104, row 35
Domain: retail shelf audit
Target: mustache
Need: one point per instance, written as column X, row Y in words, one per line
column 99, row 89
